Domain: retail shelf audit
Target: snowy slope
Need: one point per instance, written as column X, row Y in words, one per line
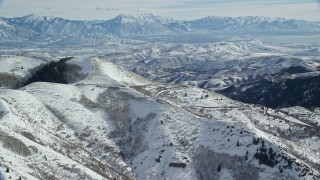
column 215, row 65
column 15, row 69
column 120, row 75
column 116, row 124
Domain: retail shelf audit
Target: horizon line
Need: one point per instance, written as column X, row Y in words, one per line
column 141, row 13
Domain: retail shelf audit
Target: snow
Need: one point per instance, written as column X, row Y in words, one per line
column 41, row 117
column 19, row 65
column 115, row 123
column 3, row 109
column 225, row 175
column 120, row 75
column 4, row 24
column 171, row 123
column 236, row 113
column 85, row 63
column 148, row 24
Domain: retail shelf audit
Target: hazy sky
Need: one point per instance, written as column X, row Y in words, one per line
column 178, row 9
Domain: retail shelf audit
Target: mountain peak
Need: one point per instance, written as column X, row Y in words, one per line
column 34, row 17
column 142, row 18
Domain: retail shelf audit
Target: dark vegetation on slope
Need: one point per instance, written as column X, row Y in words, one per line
column 128, row 132
column 54, row 72
column 296, row 69
column 279, row 91
column 14, row 145
column 209, row 164
column 9, row 80
column 81, row 155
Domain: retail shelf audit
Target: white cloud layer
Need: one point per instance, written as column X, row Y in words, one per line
column 179, row 9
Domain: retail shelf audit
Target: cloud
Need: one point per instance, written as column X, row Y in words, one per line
column 106, row 9
column 77, row 8
column 307, row 11
column 110, row 9
column 142, row 9
column 231, row 3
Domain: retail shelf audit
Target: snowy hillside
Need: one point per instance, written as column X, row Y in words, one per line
column 215, row 65
column 113, row 123
column 149, row 97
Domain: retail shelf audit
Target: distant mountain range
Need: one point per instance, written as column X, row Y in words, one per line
column 33, row 26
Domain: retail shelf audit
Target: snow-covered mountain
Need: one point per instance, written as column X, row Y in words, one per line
column 143, row 24
column 255, row 24
column 49, row 26
column 135, row 97
column 250, row 71
column 293, row 86
column 114, row 124
column 32, row 26
column 12, row 31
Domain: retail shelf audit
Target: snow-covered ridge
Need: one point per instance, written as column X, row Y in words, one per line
column 143, row 18
column 116, row 124
column 149, row 24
